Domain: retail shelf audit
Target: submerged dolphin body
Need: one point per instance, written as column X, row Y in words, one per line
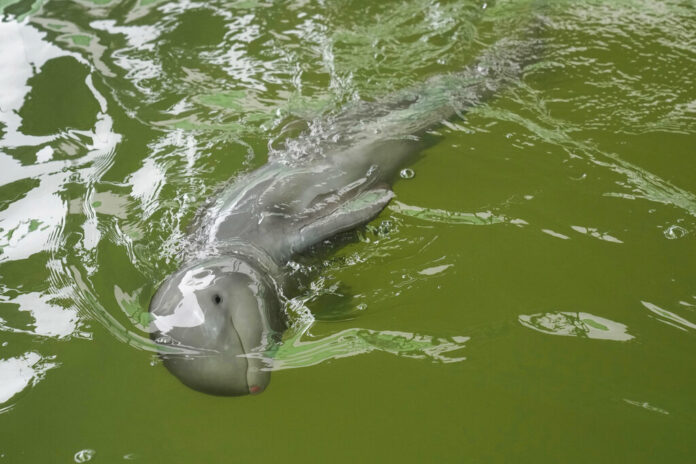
column 223, row 305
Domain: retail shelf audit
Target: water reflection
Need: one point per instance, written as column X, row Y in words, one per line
column 43, row 153
column 669, row 317
column 576, row 324
column 118, row 121
column 450, row 217
column 18, row 373
column 49, row 320
column 647, row 406
column 300, row 349
column 593, row 232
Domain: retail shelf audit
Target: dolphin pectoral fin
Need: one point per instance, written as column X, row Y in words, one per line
column 356, row 212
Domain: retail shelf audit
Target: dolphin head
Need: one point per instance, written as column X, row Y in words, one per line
column 224, row 315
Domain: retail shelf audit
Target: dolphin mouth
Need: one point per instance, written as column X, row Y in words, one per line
column 225, row 371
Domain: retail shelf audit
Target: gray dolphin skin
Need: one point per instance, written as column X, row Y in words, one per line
column 223, row 308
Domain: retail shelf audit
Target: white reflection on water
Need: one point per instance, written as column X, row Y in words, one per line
column 430, row 271
column 22, row 50
column 140, row 40
column 49, row 320
column 669, row 317
column 21, row 372
column 576, row 324
column 647, row 406
column 34, row 222
column 592, row 232
column 28, row 224
column 450, row 217
column 23, row 47
column 147, row 183
column 299, row 350
column 555, row 234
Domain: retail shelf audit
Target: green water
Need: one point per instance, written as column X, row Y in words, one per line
column 529, row 296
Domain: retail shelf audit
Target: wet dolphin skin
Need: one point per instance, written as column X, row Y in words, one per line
column 223, row 307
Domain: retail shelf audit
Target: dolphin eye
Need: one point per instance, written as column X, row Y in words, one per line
column 217, row 299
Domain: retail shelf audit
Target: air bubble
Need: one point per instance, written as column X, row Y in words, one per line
column 385, row 227
column 84, row 455
column 164, row 340
column 407, row 173
column 675, row 232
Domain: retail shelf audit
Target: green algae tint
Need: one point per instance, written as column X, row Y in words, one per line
column 529, row 295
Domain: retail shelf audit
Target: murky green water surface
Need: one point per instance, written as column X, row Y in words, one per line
column 530, row 294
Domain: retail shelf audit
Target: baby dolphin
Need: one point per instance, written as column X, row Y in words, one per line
column 222, row 310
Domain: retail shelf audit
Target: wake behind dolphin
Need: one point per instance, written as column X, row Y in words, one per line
column 224, row 304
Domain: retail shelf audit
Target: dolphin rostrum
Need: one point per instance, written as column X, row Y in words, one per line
column 223, row 306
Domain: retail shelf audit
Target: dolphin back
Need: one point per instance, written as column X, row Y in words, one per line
column 224, row 304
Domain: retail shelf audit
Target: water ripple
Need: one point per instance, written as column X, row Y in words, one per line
column 576, row 324
column 299, row 351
